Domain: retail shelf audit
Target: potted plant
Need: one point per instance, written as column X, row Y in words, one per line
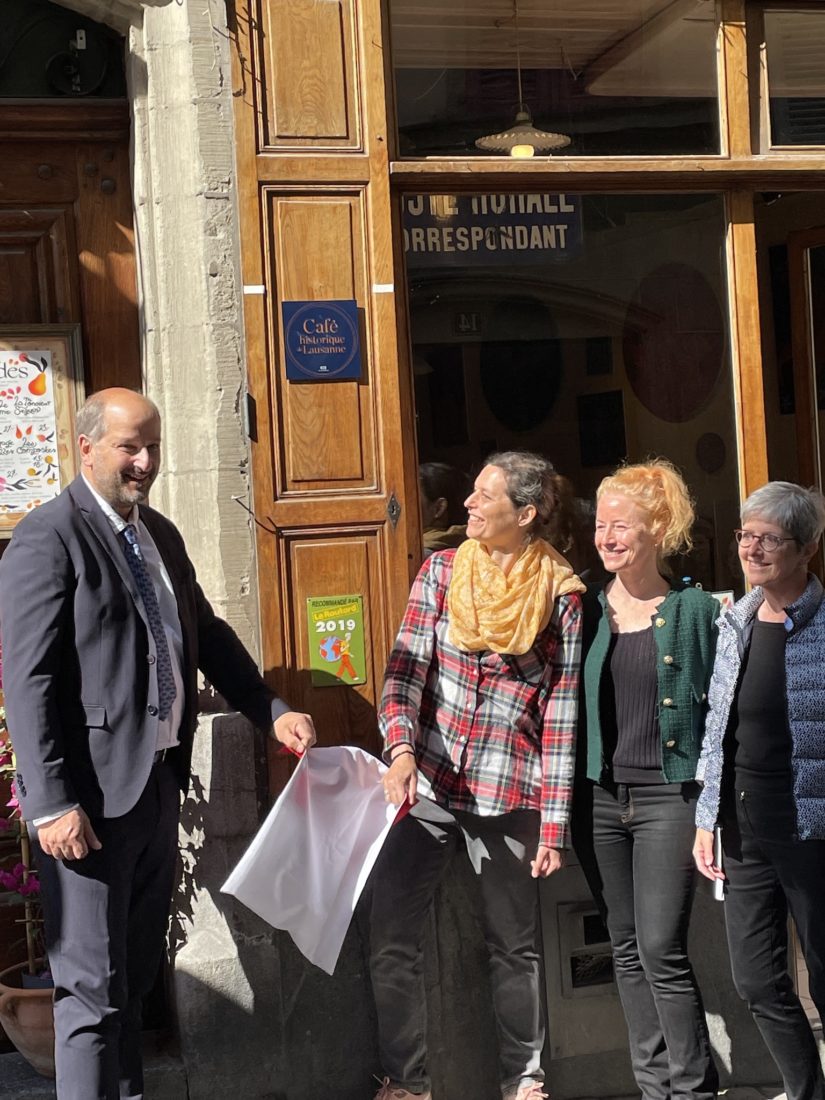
column 26, row 989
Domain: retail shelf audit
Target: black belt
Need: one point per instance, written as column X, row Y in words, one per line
column 160, row 756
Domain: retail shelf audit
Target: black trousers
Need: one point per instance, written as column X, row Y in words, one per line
column 643, row 839
column 412, row 862
column 106, row 918
column 769, row 872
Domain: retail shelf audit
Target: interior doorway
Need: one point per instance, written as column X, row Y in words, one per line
column 790, row 233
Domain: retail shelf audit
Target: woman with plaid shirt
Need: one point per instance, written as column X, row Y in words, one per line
column 479, row 715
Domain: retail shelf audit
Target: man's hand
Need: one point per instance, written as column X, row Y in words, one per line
column 401, row 781
column 68, row 837
column 294, row 730
column 703, row 855
column 547, row 861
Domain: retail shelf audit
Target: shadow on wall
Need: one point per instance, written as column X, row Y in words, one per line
column 255, row 1019
column 258, row 1022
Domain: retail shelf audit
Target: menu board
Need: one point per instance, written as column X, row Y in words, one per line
column 39, row 393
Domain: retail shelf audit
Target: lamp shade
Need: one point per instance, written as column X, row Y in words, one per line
column 522, row 139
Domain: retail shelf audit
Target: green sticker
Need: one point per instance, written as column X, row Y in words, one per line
column 336, row 640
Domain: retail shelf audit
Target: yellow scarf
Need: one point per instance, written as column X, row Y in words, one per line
column 489, row 610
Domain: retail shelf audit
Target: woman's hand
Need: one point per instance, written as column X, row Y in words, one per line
column 547, row 861
column 401, row 781
column 703, row 855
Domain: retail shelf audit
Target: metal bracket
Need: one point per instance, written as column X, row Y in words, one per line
column 394, row 511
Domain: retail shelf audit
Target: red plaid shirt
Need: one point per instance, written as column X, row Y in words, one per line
column 491, row 732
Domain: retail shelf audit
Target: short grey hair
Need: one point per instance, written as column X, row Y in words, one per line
column 91, row 416
column 800, row 512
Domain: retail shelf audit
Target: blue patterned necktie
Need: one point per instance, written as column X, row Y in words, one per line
column 137, row 563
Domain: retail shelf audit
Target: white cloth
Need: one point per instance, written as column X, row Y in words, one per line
column 311, row 858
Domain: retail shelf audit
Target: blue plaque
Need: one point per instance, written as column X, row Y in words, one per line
column 321, row 341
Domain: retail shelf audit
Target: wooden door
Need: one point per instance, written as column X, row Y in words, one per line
column 67, row 256
column 806, row 269
column 334, row 463
column 66, row 240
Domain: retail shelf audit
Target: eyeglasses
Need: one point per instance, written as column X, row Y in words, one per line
column 769, row 543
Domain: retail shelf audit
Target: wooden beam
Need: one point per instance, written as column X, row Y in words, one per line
column 734, row 81
column 798, row 172
column 746, row 342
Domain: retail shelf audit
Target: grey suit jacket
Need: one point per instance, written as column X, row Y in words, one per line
column 81, row 702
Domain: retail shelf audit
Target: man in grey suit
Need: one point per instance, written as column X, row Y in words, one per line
column 104, row 627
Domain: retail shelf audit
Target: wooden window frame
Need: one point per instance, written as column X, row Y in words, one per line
column 619, row 163
column 737, row 173
column 758, row 61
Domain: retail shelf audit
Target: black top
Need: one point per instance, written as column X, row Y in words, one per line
column 629, row 695
column 759, row 739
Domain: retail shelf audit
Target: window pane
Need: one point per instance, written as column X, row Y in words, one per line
column 589, row 328
column 795, row 44
column 614, row 77
column 40, row 59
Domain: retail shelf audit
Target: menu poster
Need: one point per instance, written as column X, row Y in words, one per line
column 39, row 394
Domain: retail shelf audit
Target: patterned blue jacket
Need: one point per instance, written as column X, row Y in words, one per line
column 805, row 687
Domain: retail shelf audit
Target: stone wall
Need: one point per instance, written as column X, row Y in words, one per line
column 190, row 293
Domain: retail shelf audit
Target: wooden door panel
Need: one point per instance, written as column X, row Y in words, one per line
column 66, row 240
column 19, row 299
column 35, row 173
column 309, row 74
column 339, row 562
column 334, row 463
column 327, row 429
column 38, row 265
column 106, row 252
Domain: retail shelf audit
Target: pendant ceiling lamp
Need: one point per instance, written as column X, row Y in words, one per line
column 522, row 139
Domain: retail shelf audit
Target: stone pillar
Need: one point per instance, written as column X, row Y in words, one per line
column 190, row 294
column 191, row 297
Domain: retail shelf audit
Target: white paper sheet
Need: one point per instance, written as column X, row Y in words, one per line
column 311, row 858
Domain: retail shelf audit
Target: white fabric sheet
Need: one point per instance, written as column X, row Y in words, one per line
column 311, row 858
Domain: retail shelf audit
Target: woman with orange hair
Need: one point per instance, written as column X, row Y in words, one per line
column 646, row 676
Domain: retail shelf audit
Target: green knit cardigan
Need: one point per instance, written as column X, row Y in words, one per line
column 684, row 630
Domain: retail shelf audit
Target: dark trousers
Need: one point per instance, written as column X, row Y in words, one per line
column 643, row 838
column 106, row 918
column 770, row 873
column 412, row 862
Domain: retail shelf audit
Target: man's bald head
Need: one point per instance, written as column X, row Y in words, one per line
column 118, row 434
column 91, row 418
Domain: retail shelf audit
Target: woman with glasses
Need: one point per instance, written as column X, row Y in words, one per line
column 645, row 676
column 763, row 766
